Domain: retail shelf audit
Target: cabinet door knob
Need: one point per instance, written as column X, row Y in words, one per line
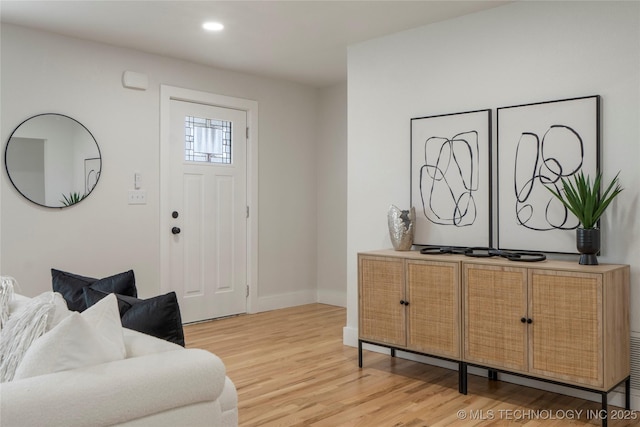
column 529, row 321
column 523, row 320
column 402, row 301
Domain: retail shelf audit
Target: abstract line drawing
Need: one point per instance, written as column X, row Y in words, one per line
column 548, row 170
column 538, row 146
column 450, row 179
column 92, row 168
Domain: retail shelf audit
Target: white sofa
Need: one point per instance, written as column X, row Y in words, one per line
column 157, row 384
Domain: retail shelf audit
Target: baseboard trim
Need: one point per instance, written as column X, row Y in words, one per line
column 616, row 397
column 291, row 299
column 350, row 336
column 332, row 298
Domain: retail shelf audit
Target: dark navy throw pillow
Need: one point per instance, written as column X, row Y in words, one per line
column 71, row 285
column 157, row 316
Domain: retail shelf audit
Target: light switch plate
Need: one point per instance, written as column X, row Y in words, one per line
column 137, row 197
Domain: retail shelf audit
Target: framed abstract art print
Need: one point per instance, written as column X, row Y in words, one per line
column 539, row 145
column 451, row 179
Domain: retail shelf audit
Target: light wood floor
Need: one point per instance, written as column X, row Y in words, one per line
column 291, row 369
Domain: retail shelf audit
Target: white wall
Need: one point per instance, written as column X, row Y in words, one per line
column 332, row 195
column 103, row 235
column 519, row 53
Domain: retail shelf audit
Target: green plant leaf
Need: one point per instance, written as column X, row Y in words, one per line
column 582, row 197
column 72, row 199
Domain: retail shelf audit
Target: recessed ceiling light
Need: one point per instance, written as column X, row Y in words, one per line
column 213, row 26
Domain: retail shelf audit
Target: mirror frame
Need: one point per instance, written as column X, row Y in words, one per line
column 6, row 165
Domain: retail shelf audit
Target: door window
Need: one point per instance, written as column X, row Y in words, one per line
column 207, row 140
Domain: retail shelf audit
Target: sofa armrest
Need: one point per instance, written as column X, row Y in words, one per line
column 114, row 392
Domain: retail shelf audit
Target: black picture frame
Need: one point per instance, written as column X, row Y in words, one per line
column 538, row 144
column 451, row 187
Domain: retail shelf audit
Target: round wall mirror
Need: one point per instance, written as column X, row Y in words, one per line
column 53, row 160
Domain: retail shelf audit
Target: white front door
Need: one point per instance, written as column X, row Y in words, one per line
column 208, row 208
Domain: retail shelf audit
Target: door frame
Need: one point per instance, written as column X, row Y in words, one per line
column 168, row 93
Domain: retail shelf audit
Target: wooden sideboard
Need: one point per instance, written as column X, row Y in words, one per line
column 555, row 321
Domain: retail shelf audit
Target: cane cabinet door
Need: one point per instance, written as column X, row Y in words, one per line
column 565, row 336
column 495, row 313
column 433, row 310
column 381, row 288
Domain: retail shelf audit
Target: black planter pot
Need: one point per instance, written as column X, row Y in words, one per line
column 588, row 244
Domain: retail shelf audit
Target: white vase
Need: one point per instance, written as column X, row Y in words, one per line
column 401, row 225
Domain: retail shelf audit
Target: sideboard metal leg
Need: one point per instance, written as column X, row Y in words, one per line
column 359, row 353
column 393, row 352
column 493, row 375
column 462, row 377
column 627, row 394
column 604, row 412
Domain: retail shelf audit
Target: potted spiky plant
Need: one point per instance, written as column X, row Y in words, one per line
column 72, row 198
column 582, row 198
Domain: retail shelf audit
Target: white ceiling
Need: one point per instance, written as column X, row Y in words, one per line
column 302, row 41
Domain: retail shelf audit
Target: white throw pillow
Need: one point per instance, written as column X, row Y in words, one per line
column 81, row 339
column 23, row 327
column 17, row 303
column 59, row 313
column 20, row 303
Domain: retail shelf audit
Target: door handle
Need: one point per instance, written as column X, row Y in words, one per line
column 175, row 230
